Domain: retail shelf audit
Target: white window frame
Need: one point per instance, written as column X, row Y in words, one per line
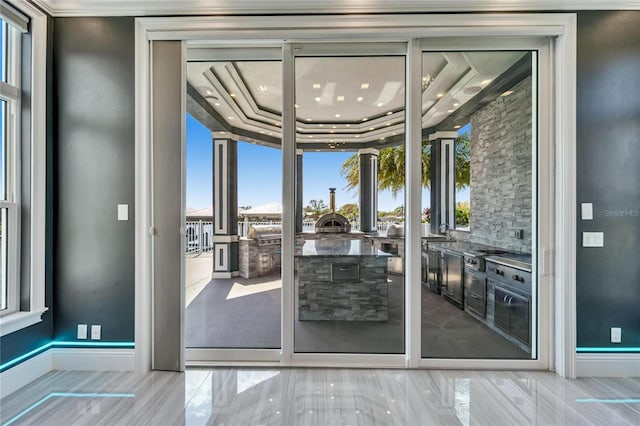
column 10, row 93
column 16, row 319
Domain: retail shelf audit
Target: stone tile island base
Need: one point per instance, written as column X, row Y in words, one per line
column 323, row 295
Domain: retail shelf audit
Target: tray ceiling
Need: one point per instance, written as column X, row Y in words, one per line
column 339, row 101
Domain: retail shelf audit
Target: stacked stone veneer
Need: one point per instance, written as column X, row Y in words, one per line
column 258, row 259
column 501, row 170
column 321, row 299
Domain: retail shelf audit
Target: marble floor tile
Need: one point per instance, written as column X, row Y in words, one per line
column 320, row 396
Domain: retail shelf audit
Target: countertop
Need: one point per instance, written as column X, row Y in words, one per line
column 463, row 247
column 329, row 247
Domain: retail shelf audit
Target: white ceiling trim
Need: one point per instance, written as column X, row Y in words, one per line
column 251, row 7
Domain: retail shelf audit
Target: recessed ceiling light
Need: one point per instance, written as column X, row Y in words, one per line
column 331, row 131
column 297, row 106
column 317, row 99
column 337, row 115
column 316, row 85
column 365, row 119
column 309, row 119
column 485, row 82
column 357, row 136
column 360, row 98
column 217, row 104
column 388, row 124
column 364, row 86
column 321, row 125
column 456, row 104
column 223, row 133
column 335, row 127
column 372, row 128
column 440, row 95
column 456, row 127
column 380, row 104
column 331, row 141
column 390, row 112
column 340, row 98
column 233, row 95
column 270, row 134
column 507, row 93
column 317, row 150
column 311, row 136
column 343, row 150
column 450, row 110
column 348, row 125
column 262, row 132
column 394, row 133
column 230, row 118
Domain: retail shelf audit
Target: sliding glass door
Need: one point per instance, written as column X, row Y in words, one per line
column 349, row 240
column 306, row 246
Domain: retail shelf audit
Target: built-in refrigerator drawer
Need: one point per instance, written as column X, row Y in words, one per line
column 475, row 293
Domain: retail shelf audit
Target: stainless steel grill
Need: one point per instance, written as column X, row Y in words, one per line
column 394, row 230
column 265, row 234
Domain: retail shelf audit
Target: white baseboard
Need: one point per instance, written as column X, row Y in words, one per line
column 608, row 365
column 24, row 373
column 94, row 359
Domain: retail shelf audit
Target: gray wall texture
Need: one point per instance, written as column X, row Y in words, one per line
column 501, row 170
column 93, row 143
column 608, row 174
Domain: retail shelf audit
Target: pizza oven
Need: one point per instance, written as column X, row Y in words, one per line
column 332, row 222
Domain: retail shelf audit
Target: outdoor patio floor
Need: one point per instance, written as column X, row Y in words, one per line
column 245, row 313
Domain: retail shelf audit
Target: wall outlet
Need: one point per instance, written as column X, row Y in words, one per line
column 616, row 335
column 96, row 331
column 82, row 331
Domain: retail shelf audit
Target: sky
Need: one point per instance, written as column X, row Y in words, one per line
column 260, row 175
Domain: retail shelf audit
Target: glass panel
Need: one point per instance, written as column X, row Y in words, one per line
column 3, row 259
column 3, row 47
column 477, row 282
column 234, row 190
column 349, row 251
column 3, row 151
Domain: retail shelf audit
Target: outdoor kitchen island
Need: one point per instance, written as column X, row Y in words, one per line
column 341, row 279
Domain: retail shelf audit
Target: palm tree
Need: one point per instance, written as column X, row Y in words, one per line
column 391, row 166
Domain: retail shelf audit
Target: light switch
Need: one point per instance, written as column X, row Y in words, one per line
column 587, row 211
column 123, row 212
column 593, row 239
column 82, row 331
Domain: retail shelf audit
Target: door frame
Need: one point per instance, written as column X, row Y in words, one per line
column 558, row 263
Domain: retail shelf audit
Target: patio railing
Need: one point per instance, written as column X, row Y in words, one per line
column 199, row 234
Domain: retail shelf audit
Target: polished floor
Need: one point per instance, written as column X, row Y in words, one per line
column 321, row 397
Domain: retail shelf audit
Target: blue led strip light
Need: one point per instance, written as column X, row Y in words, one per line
column 586, row 349
column 609, row 401
column 55, row 344
column 68, row 395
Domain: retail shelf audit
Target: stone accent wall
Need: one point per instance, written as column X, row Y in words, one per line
column 501, row 171
column 256, row 260
column 321, row 299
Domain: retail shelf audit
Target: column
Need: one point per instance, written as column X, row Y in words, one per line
column 368, row 190
column 298, row 202
column 225, row 208
column 443, row 181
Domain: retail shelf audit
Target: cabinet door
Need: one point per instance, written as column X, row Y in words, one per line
column 454, row 265
column 520, row 318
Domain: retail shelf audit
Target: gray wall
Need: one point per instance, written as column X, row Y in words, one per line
column 608, row 173
column 93, row 142
column 501, row 170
